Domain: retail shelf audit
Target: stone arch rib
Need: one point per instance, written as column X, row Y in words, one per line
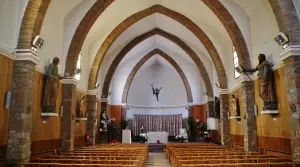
column 32, row 22
column 287, row 19
column 145, row 59
column 233, row 30
column 81, row 32
column 145, row 36
column 171, row 14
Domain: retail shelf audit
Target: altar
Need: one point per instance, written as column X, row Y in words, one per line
column 154, row 136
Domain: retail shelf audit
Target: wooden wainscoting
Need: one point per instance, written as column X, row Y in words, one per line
column 237, row 139
column 275, row 144
column 44, row 145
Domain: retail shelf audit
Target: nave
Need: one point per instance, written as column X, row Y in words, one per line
column 177, row 154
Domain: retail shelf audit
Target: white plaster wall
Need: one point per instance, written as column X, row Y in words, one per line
column 159, row 72
column 242, row 19
column 166, row 111
column 123, row 71
column 71, row 22
column 11, row 14
column 263, row 30
column 53, row 33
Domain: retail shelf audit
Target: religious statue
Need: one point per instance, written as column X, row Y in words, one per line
column 81, row 107
column 266, row 83
column 235, row 106
column 156, row 91
column 50, row 92
column 104, row 120
column 217, row 107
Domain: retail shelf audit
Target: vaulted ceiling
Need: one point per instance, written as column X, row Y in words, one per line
column 207, row 29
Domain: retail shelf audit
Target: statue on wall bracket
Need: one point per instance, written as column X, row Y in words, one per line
column 155, row 91
column 217, row 106
column 266, row 83
column 80, row 111
column 235, row 105
column 51, row 87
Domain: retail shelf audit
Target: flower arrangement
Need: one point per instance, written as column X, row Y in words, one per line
column 144, row 137
column 113, row 142
column 180, row 138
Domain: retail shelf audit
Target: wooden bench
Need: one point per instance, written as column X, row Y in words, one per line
column 194, row 155
column 100, row 155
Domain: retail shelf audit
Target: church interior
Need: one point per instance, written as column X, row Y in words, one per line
column 149, row 83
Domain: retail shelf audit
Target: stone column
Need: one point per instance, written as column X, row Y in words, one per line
column 224, row 117
column 123, row 113
column 291, row 58
column 91, row 126
column 69, row 114
column 20, row 116
column 247, row 104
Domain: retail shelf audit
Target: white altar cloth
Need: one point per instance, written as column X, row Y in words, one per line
column 154, row 136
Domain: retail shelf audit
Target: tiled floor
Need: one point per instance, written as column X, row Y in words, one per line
column 158, row 160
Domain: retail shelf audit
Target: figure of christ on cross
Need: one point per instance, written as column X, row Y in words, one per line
column 156, row 91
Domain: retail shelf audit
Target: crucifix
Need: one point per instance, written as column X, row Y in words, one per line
column 155, row 91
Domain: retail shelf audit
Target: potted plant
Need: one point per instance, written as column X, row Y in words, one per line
column 144, row 137
column 202, row 126
column 124, row 124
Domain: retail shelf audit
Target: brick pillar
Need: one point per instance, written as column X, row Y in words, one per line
column 291, row 59
column 123, row 113
column 224, row 117
column 69, row 114
column 210, row 106
column 91, row 126
column 20, row 116
column 247, row 104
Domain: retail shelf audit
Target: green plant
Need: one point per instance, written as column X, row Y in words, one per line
column 124, row 124
column 202, row 126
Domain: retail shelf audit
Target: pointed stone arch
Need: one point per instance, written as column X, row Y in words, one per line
column 189, row 24
column 32, row 22
column 287, row 19
column 145, row 59
column 141, row 38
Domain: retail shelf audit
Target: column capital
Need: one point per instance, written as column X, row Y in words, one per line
column 293, row 50
column 210, row 99
column 223, row 91
column 69, row 80
column 244, row 77
column 103, row 100
column 26, row 54
column 91, row 92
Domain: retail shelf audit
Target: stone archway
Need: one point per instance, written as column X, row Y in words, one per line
column 145, row 36
column 171, row 14
column 145, row 59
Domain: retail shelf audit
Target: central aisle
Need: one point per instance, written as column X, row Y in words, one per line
column 158, row 160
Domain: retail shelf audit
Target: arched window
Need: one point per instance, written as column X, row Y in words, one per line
column 77, row 76
column 235, row 62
